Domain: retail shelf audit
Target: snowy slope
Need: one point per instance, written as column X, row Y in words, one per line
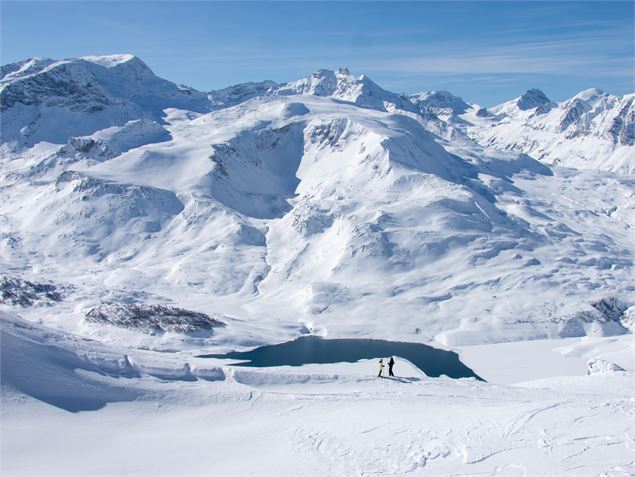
column 84, row 408
column 319, row 205
column 591, row 130
column 327, row 206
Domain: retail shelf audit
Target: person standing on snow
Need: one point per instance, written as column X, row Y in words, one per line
column 381, row 368
column 391, row 363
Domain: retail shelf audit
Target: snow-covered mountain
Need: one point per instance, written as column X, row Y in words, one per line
column 591, row 130
column 342, row 85
column 233, row 95
column 47, row 100
column 327, row 203
column 145, row 225
column 440, row 103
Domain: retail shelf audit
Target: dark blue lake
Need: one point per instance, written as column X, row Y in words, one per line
column 314, row 349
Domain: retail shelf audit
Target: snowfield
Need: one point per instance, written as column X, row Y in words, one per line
column 98, row 411
column 143, row 224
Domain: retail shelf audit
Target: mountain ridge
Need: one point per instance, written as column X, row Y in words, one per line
column 116, row 89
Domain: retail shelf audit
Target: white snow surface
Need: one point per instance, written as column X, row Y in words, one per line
column 331, row 206
column 86, row 409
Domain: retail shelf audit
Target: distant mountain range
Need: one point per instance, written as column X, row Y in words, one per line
column 591, row 130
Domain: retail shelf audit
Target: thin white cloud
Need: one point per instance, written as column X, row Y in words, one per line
column 590, row 55
column 602, row 52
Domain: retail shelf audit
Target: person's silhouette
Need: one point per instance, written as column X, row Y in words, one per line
column 391, row 363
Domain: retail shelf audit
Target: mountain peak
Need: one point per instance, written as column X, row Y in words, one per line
column 89, row 93
column 322, row 82
column 589, row 94
column 109, row 61
column 322, row 73
column 437, row 101
column 532, row 98
column 345, row 86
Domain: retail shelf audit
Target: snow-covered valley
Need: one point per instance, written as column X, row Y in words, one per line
column 143, row 224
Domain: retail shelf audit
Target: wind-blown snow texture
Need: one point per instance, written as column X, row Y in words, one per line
column 325, row 205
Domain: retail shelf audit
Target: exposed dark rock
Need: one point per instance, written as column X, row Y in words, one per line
column 623, row 126
column 606, row 317
column 574, row 113
column 532, row 98
column 15, row 291
column 152, row 319
column 609, row 309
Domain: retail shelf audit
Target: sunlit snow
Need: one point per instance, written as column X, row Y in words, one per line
column 326, row 206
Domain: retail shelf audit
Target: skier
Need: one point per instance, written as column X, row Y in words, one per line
column 381, row 368
column 391, row 363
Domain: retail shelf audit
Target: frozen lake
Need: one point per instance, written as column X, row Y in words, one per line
column 316, row 350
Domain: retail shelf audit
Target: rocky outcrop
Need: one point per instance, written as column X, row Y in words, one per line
column 153, row 319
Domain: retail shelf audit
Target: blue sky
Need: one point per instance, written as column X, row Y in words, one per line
column 486, row 52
